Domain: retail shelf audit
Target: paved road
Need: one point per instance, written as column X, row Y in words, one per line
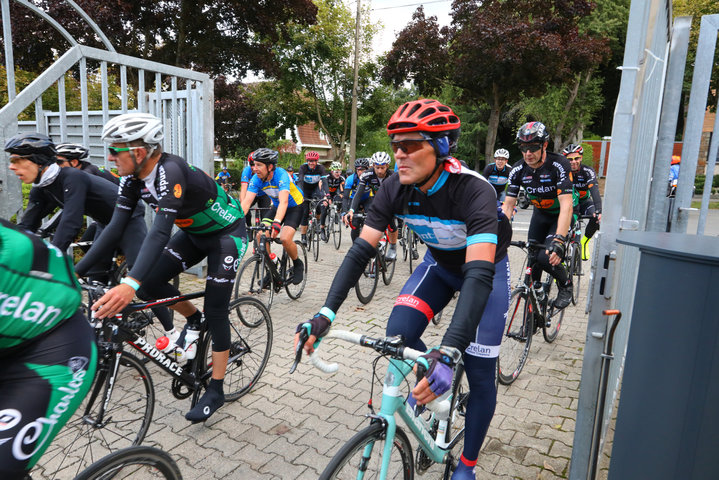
column 289, row 426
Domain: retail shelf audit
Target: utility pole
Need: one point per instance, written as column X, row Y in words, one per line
column 353, row 121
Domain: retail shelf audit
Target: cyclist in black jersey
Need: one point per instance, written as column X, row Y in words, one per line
column 498, row 172
column 211, row 226
column 370, row 181
column 74, row 155
column 454, row 210
column 547, row 179
column 309, row 180
column 332, row 187
column 586, row 186
column 47, row 349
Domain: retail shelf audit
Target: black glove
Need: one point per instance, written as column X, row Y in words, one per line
column 276, row 226
column 318, row 326
column 557, row 246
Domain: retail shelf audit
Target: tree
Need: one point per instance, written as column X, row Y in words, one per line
column 497, row 50
column 313, row 80
column 236, row 120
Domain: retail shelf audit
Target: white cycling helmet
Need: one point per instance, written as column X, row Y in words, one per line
column 380, row 158
column 72, row 151
column 501, row 153
column 129, row 127
column 335, row 166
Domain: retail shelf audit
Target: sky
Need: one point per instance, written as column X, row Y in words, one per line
column 396, row 14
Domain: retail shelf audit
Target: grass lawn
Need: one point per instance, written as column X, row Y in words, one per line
column 698, row 204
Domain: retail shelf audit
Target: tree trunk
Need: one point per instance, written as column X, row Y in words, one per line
column 492, row 126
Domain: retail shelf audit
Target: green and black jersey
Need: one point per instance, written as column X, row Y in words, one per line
column 38, row 288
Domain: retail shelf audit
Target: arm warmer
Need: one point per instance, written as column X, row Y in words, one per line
column 72, row 213
column 153, row 245
column 349, row 272
column 106, row 243
column 358, row 195
column 477, row 285
column 346, row 200
column 596, row 198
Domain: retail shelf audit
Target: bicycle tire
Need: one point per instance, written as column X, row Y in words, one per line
column 403, row 241
column 575, row 270
column 317, row 240
column 516, row 338
column 387, row 267
column 367, row 283
column 128, row 462
column 310, row 236
column 250, row 347
column 125, row 422
column 295, row 291
column 336, row 223
column 553, row 318
column 249, row 280
column 345, row 463
column 455, row 431
column 413, row 252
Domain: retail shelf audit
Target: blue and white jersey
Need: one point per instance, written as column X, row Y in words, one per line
column 280, row 181
column 246, row 174
column 459, row 210
column 309, row 179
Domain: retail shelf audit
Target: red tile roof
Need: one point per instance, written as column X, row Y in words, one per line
column 309, row 135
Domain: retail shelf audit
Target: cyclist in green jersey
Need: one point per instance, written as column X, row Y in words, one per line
column 47, row 349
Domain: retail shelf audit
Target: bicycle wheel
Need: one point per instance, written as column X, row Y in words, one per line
column 126, row 416
column 336, row 224
column 249, row 346
column 412, row 249
column 403, row 241
column 367, row 283
column 455, row 431
column 574, row 269
column 517, row 338
column 294, row 291
column 387, row 267
column 133, row 462
column 553, row 317
column 310, row 236
column 363, row 453
column 316, row 241
column 254, row 279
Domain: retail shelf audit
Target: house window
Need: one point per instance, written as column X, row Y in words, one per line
column 322, row 135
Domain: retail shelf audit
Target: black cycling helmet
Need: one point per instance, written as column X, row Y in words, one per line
column 72, row 151
column 362, row 163
column 532, row 132
column 572, row 148
column 290, row 168
column 266, row 156
column 37, row 147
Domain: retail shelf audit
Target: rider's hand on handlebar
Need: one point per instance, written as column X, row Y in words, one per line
column 347, row 219
column 317, row 327
column 437, row 366
column 114, row 301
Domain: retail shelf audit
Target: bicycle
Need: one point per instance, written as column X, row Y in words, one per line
column 334, row 221
column 573, row 257
column 133, row 462
column 118, row 409
column 261, row 276
column 313, row 230
column 367, row 283
column 530, row 308
column 383, row 449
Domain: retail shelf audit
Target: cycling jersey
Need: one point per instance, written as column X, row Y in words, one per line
column 544, row 184
column 349, row 192
column 279, row 182
column 88, row 167
column 223, row 177
column 498, row 178
column 246, row 174
column 333, row 185
column 449, row 217
column 78, row 194
column 309, row 179
column 368, row 182
column 585, row 184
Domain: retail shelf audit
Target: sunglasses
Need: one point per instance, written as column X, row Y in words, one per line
column 531, row 147
column 573, row 158
column 114, row 151
column 407, row 146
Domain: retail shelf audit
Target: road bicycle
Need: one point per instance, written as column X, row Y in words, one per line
column 262, row 275
column 573, row 256
column 136, row 462
column 531, row 307
column 334, row 222
column 313, row 230
column 383, row 449
column 367, row 283
column 410, row 245
column 118, row 408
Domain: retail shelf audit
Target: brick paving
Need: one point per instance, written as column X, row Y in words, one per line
column 289, row 426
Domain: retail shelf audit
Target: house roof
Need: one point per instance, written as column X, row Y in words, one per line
column 309, row 135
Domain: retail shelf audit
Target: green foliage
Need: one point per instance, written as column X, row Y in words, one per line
column 588, row 156
column 699, row 182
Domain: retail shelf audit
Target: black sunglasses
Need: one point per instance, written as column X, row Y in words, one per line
column 407, row 146
column 530, row 147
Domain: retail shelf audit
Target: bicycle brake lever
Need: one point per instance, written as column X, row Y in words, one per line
column 304, row 336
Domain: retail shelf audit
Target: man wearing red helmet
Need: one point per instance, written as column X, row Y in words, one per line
column 310, row 182
column 454, row 210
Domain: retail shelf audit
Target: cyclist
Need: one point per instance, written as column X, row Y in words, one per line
column 585, row 184
column 547, row 180
column 210, row 226
column 223, row 178
column 262, row 201
column 350, row 190
column 332, row 187
column 284, row 216
column 74, row 155
column 454, row 210
column 674, row 173
column 291, row 171
column 47, row 349
column 498, row 172
column 371, row 181
column 310, row 182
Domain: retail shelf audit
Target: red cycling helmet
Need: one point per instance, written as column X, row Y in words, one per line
column 312, row 155
column 251, row 159
column 423, row 115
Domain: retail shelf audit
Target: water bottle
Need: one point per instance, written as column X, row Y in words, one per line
column 170, row 349
column 191, row 336
column 539, row 290
column 273, row 257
